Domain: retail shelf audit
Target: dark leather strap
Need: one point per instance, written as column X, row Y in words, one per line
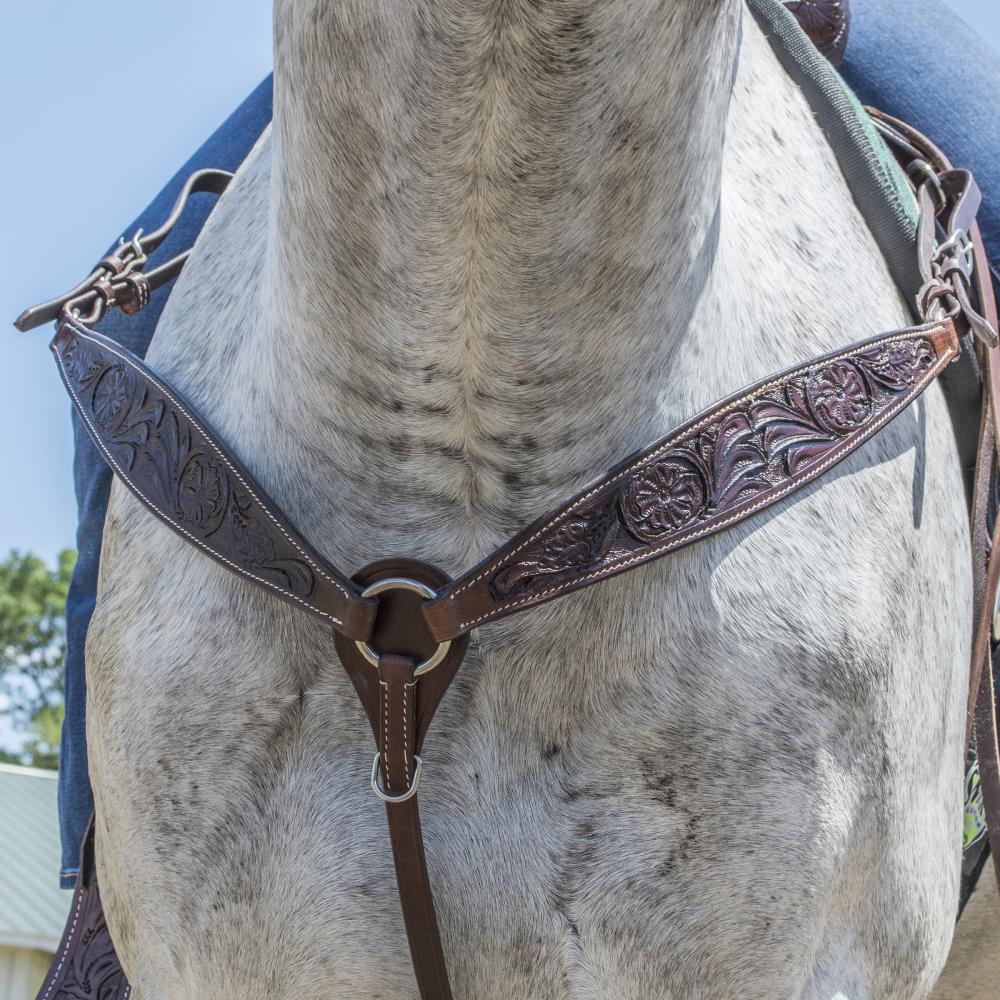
column 958, row 200
column 400, row 705
column 166, row 455
column 727, row 464
column 985, row 654
column 85, row 964
column 119, row 278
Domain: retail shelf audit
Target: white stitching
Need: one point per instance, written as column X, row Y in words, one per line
column 672, row 439
column 406, row 732
column 187, row 534
column 69, row 941
column 834, row 456
column 83, row 332
column 385, row 734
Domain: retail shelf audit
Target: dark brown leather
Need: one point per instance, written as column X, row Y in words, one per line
column 400, row 628
column 985, row 550
column 826, row 22
column 423, row 939
column 985, row 660
column 400, row 707
column 86, row 966
column 727, row 464
column 959, row 199
column 168, row 458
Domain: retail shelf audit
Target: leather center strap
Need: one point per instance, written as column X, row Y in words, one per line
column 400, row 697
column 400, row 629
column 396, row 735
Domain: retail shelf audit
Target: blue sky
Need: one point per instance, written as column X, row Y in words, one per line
column 75, row 171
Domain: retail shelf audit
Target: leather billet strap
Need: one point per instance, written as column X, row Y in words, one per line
column 164, row 453
column 727, row 464
column 959, row 200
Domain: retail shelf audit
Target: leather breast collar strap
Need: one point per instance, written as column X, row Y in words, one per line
column 401, row 627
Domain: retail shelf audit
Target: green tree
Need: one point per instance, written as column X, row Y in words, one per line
column 32, row 651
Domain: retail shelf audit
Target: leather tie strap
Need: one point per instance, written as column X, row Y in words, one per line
column 119, row 278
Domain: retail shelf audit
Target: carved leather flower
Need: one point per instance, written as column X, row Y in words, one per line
column 825, row 22
column 839, row 397
column 111, row 397
column 899, row 365
column 82, row 365
column 662, row 498
column 202, row 492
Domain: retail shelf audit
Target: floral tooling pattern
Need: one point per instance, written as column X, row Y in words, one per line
column 720, row 464
column 171, row 461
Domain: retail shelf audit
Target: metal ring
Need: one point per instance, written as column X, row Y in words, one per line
column 404, row 583
column 409, row 793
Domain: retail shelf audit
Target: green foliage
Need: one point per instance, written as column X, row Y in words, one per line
column 32, row 651
column 41, row 749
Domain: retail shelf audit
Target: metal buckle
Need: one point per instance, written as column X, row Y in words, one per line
column 120, row 271
column 951, row 286
column 404, row 583
column 947, row 254
column 409, row 793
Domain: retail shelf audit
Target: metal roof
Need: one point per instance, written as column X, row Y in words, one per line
column 32, row 906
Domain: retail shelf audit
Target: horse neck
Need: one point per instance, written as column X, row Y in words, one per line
column 490, row 220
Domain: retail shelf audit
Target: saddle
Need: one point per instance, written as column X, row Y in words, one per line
column 402, row 627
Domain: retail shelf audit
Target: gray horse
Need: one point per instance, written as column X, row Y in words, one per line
column 488, row 248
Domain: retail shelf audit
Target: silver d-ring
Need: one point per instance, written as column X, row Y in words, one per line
column 404, row 583
column 409, row 793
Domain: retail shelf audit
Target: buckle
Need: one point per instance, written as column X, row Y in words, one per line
column 950, row 285
column 116, row 280
column 428, row 593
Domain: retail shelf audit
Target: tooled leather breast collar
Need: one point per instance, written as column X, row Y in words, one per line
column 401, row 627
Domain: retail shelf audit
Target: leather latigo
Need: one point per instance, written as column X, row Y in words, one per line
column 826, row 22
column 725, row 465
column 167, row 457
